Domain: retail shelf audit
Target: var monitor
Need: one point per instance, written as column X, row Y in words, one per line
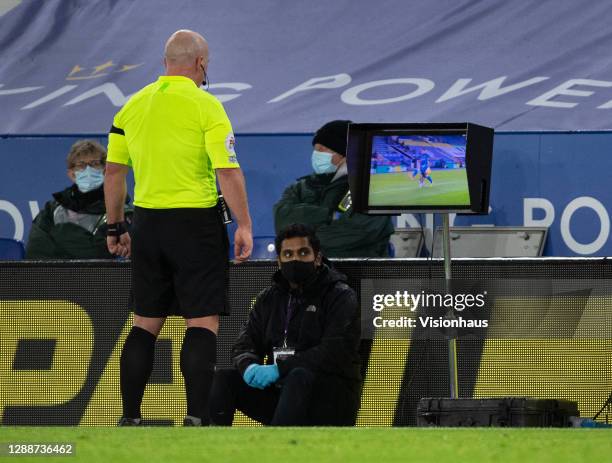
column 396, row 168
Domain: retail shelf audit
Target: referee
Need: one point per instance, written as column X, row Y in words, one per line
column 179, row 142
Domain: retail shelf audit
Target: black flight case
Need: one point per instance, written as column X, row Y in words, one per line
column 507, row 411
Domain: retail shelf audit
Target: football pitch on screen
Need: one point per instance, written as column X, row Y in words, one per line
column 449, row 187
column 301, row 445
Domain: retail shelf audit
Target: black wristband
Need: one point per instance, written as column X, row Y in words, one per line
column 116, row 229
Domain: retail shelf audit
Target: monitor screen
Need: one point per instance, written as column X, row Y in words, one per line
column 418, row 170
column 395, row 168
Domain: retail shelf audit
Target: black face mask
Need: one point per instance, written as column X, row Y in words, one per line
column 297, row 272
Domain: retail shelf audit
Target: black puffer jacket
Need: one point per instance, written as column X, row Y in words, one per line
column 315, row 200
column 324, row 329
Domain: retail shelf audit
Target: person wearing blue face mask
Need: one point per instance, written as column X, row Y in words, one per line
column 73, row 224
column 323, row 201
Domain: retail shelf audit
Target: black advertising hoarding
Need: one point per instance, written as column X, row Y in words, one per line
column 62, row 325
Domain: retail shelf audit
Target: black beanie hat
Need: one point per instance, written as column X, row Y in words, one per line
column 333, row 136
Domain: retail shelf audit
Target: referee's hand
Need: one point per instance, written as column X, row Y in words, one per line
column 121, row 247
column 243, row 243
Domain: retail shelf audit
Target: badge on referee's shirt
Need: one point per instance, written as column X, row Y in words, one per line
column 230, row 146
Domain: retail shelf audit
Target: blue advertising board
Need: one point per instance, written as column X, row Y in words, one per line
column 558, row 180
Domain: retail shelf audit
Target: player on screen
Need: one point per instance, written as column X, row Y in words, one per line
column 423, row 170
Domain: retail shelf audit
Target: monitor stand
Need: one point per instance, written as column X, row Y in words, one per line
column 452, row 341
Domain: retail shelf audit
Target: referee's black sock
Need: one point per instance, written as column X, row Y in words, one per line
column 198, row 357
column 136, row 366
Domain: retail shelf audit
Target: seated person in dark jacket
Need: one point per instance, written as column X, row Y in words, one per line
column 307, row 327
column 73, row 224
column 322, row 200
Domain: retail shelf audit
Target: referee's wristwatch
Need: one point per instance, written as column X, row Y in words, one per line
column 116, row 229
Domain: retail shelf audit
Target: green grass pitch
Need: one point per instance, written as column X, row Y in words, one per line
column 395, row 189
column 314, row 445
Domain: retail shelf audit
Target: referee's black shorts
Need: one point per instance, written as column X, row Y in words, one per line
column 180, row 263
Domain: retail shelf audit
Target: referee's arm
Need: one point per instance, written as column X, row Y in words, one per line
column 115, row 187
column 115, row 191
column 231, row 182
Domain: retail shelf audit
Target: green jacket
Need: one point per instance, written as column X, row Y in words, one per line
column 71, row 226
column 315, row 200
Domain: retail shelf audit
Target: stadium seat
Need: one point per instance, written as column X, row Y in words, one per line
column 11, row 249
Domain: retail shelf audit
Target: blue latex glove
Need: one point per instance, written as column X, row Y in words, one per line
column 263, row 376
column 249, row 374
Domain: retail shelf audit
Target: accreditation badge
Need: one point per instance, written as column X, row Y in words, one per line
column 282, row 353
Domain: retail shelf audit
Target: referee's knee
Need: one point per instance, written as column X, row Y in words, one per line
column 150, row 324
column 210, row 322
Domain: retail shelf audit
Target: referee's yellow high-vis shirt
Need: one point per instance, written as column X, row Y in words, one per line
column 174, row 136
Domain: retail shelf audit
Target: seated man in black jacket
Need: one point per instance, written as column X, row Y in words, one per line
column 307, row 328
column 73, row 224
column 323, row 201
